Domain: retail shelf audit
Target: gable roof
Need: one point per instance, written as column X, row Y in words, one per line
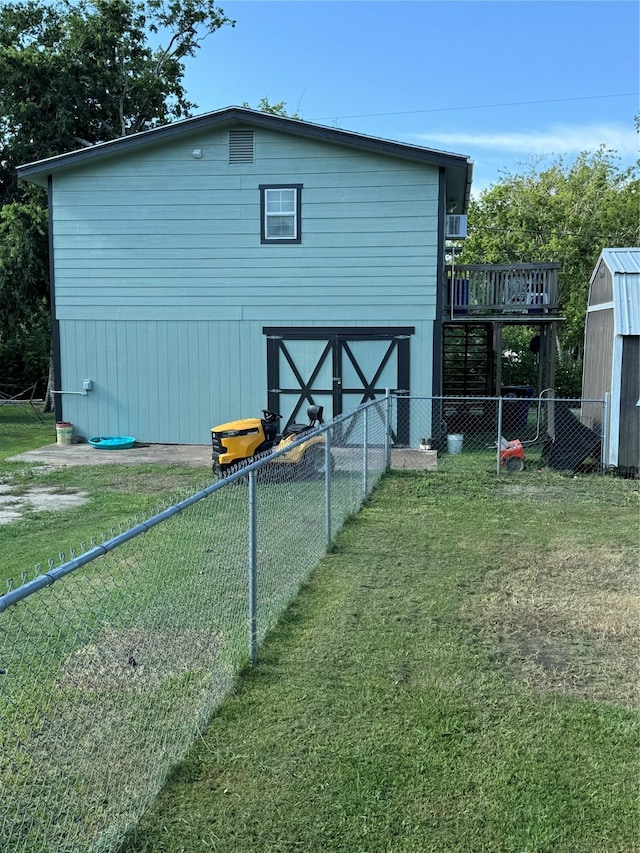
column 624, row 265
column 622, row 260
column 458, row 167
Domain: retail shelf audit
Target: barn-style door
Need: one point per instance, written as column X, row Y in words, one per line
column 335, row 367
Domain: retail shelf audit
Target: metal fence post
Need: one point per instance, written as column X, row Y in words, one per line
column 327, row 484
column 499, row 436
column 387, row 430
column 365, row 448
column 253, row 574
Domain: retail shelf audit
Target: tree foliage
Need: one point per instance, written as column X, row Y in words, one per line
column 79, row 72
column 24, row 291
column 567, row 213
column 277, row 109
column 23, row 238
column 74, row 73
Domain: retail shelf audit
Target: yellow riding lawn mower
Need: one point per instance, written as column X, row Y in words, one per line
column 238, row 443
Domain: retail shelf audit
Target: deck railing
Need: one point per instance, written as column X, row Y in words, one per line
column 488, row 289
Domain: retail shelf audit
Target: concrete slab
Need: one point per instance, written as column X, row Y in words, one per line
column 199, row 456
column 63, row 455
column 413, row 460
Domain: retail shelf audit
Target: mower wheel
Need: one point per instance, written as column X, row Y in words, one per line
column 515, row 464
column 219, row 471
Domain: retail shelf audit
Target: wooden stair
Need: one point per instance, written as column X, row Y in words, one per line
column 467, row 360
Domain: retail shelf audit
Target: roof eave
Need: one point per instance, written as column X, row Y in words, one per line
column 38, row 171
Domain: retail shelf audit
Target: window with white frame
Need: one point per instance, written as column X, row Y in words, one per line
column 280, row 213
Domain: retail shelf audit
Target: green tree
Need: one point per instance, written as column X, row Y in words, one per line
column 567, row 213
column 279, row 109
column 24, row 304
column 74, row 73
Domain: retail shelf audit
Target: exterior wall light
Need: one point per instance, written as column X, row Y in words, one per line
column 197, row 153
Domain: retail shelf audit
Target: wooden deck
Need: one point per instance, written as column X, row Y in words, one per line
column 507, row 292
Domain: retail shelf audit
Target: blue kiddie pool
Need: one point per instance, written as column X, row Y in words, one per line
column 112, row 442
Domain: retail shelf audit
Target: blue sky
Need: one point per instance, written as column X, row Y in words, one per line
column 501, row 82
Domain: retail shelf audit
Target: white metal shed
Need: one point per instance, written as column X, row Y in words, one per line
column 612, row 352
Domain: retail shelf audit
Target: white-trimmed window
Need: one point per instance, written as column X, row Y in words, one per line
column 280, row 213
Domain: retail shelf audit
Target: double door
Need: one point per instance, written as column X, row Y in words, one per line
column 335, row 367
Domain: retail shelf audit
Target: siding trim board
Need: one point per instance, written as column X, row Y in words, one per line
column 437, row 368
column 601, row 306
column 302, row 333
column 616, row 396
column 55, row 323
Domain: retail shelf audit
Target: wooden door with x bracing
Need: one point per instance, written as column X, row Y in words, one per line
column 337, row 368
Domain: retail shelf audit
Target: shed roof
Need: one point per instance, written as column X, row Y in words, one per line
column 624, row 265
column 622, row 260
column 459, row 168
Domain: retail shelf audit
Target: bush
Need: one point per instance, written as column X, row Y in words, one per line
column 568, row 376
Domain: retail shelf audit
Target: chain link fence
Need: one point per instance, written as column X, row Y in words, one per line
column 112, row 661
column 507, row 433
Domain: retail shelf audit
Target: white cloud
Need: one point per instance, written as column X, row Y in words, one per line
column 556, row 140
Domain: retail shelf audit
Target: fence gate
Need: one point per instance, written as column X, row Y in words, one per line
column 335, row 367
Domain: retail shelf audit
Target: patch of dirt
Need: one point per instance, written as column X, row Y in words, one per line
column 133, row 660
column 535, row 493
column 111, row 732
column 147, row 483
column 567, row 622
column 16, row 501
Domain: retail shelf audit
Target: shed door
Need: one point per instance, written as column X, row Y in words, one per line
column 338, row 368
column 629, row 437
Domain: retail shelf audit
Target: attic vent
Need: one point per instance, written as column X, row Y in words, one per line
column 455, row 227
column 240, row 146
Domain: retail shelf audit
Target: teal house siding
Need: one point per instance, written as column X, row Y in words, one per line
column 157, row 244
column 163, row 286
column 157, row 379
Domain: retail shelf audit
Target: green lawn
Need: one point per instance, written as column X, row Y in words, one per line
column 459, row 675
column 89, row 735
column 115, row 494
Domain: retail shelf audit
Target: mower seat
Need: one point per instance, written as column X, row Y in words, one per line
column 315, row 413
column 294, row 429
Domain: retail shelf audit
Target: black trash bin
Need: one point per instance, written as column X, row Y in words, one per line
column 515, row 414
